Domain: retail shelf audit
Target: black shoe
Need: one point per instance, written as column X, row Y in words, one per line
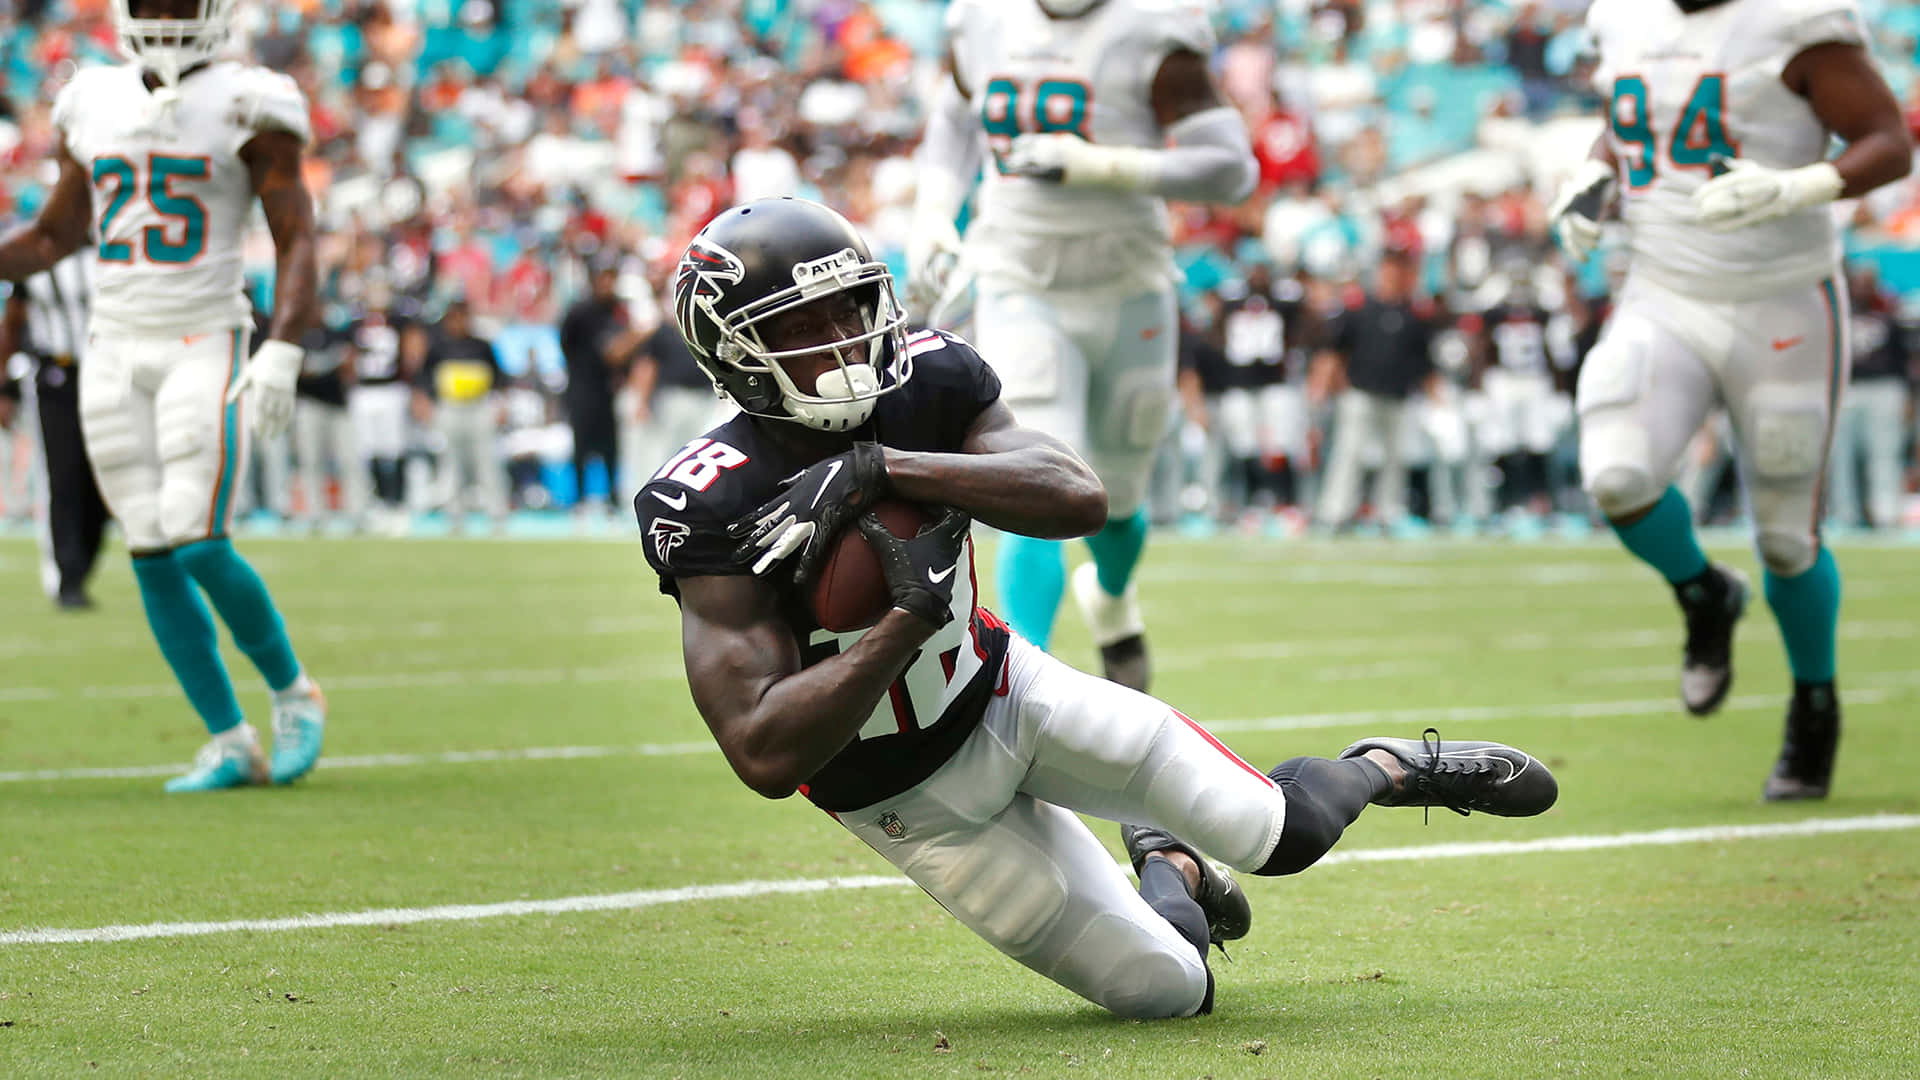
column 1464, row 776
column 1229, row 916
column 74, row 599
column 1125, row 662
column 1806, row 756
column 1712, row 604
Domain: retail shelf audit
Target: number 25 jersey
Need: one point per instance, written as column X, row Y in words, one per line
column 1681, row 89
column 171, row 198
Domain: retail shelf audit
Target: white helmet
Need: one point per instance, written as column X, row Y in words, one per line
column 170, row 46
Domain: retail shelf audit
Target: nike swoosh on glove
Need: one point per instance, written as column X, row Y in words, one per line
column 1578, row 207
column 268, row 383
column 1749, row 193
column 814, row 504
column 920, row 570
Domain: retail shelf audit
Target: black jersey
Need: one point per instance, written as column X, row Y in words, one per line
column 730, row 471
column 1261, row 335
column 1518, row 334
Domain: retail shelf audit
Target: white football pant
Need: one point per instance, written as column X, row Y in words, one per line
column 993, row 838
column 1096, row 372
column 1666, row 360
column 166, row 446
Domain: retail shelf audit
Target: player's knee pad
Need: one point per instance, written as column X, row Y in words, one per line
column 128, row 481
column 1008, row 891
column 1218, row 807
column 1786, row 436
column 1621, row 490
column 1147, row 978
column 1787, row 552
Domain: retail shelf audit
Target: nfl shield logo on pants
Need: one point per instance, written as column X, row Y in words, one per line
column 891, row 824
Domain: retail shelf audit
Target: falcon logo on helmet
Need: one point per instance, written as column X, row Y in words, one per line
column 704, row 273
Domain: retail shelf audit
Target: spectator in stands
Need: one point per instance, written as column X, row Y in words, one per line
column 1870, row 433
column 1382, row 349
column 456, row 391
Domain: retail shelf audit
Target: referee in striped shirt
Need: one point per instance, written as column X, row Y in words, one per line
column 46, row 319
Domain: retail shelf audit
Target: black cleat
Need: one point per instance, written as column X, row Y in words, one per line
column 1465, row 776
column 1125, row 662
column 1712, row 603
column 74, row 599
column 1805, row 766
column 1229, row 916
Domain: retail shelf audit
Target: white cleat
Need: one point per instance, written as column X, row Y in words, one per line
column 1117, row 628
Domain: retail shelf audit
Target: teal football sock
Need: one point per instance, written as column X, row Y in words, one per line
column 1807, row 607
column 1116, row 550
column 241, row 598
column 1664, row 539
column 183, row 627
column 1033, row 575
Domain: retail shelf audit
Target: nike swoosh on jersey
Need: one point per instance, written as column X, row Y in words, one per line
column 678, row 504
column 1783, row 344
column 938, row 576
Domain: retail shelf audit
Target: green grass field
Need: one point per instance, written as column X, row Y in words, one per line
column 510, row 725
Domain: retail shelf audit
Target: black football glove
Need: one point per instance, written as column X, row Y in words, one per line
column 921, row 570
column 814, row 504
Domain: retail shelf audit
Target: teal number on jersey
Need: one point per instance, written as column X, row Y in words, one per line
column 193, row 241
column 1627, row 113
column 1000, row 108
column 1008, row 109
column 1060, row 105
column 1704, row 115
column 120, row 171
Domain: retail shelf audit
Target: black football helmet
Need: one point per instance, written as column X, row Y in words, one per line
column 768, row 257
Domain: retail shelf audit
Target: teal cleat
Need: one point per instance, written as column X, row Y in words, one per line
column 219, row 766
column 298, row 724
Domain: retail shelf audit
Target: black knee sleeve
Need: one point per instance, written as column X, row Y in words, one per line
column 1323, row 798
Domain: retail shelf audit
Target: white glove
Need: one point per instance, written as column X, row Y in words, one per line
column 1748, row 193
column 933, row 250
column 268, row 380
column 1057, row 157
column 1578, row 207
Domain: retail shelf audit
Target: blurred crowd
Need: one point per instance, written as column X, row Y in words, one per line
column 489, row 170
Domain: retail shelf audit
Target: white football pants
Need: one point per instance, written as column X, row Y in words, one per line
column 993, row 838
column 166, row 446
column 1096, row 372
column 1666, row 360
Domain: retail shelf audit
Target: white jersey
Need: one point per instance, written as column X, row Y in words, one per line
column 1682, row 89
column 1028, row 72
column 171, row 198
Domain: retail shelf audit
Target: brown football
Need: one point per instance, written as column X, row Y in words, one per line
column 851, row 592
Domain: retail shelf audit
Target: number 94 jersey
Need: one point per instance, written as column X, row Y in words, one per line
column 1684, row 89
column 171, row 197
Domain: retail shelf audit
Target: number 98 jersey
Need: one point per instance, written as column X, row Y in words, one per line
column 1683, row 89
column 171, row 198
column 1091, row 76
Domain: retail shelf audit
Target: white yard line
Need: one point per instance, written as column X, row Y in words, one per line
column 642, row 898
column 1873, row 689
